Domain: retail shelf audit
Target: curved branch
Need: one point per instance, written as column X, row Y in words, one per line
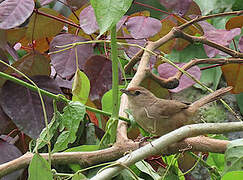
column 156, row 146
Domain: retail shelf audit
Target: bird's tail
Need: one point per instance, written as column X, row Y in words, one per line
column 209, row 98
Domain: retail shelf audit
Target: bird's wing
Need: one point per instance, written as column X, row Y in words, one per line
column 168, row 107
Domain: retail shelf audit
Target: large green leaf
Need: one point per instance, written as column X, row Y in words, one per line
column 107, row 100
column 39, row 169
column 108, row 12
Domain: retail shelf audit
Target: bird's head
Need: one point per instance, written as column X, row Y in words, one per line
column 138, row 95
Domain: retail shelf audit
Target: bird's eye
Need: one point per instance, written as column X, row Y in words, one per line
column 137, row 93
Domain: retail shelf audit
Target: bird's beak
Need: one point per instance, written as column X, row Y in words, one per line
column 125, row 91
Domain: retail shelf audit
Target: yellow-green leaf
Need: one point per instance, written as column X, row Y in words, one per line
column 81, row 87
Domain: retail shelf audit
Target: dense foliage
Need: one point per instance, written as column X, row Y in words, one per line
column 61, row 62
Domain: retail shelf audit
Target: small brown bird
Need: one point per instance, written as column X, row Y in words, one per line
column 160, row 116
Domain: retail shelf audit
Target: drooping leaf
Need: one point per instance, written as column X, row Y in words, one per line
column 39, row 169
column 143, row 27
column 52, row 128
column 15, row 12
column 9, row 152
column 165, row 71
column 81, row 87
column 108, row 13
column 98, row 70
column 23, row 106
column 64, row 62
column 73, row 114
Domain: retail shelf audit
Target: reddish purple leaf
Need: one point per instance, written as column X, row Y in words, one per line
column 88, row 21
column 99, row 71
column 14, row 12
column 121, row 22
column 9, row 152
column 45, row 2
column 177, row 6
column 143, row 27
column 23, row 106
column 241, row 44
column 220, row 36
column 76, row 4
column 64, row 83
column 132, row 50
column 65, row 62
column 4, row 121
column 166, row 70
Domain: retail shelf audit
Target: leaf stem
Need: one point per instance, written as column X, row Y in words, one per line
column 115, row 78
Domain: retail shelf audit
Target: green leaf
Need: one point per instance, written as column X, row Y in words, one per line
column 234, row 156
column 110, row 134
column 239, row 99
column 73, row 114
column 217, row 160
column 81, row 87
column 147, row 168
column 39, row 169
column 52, row 127
column 79, row 176
column 236, row 175
column 106, row 100
column 108, row 12
column 62, row 141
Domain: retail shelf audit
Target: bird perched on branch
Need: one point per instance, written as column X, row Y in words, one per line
column 161, row 116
